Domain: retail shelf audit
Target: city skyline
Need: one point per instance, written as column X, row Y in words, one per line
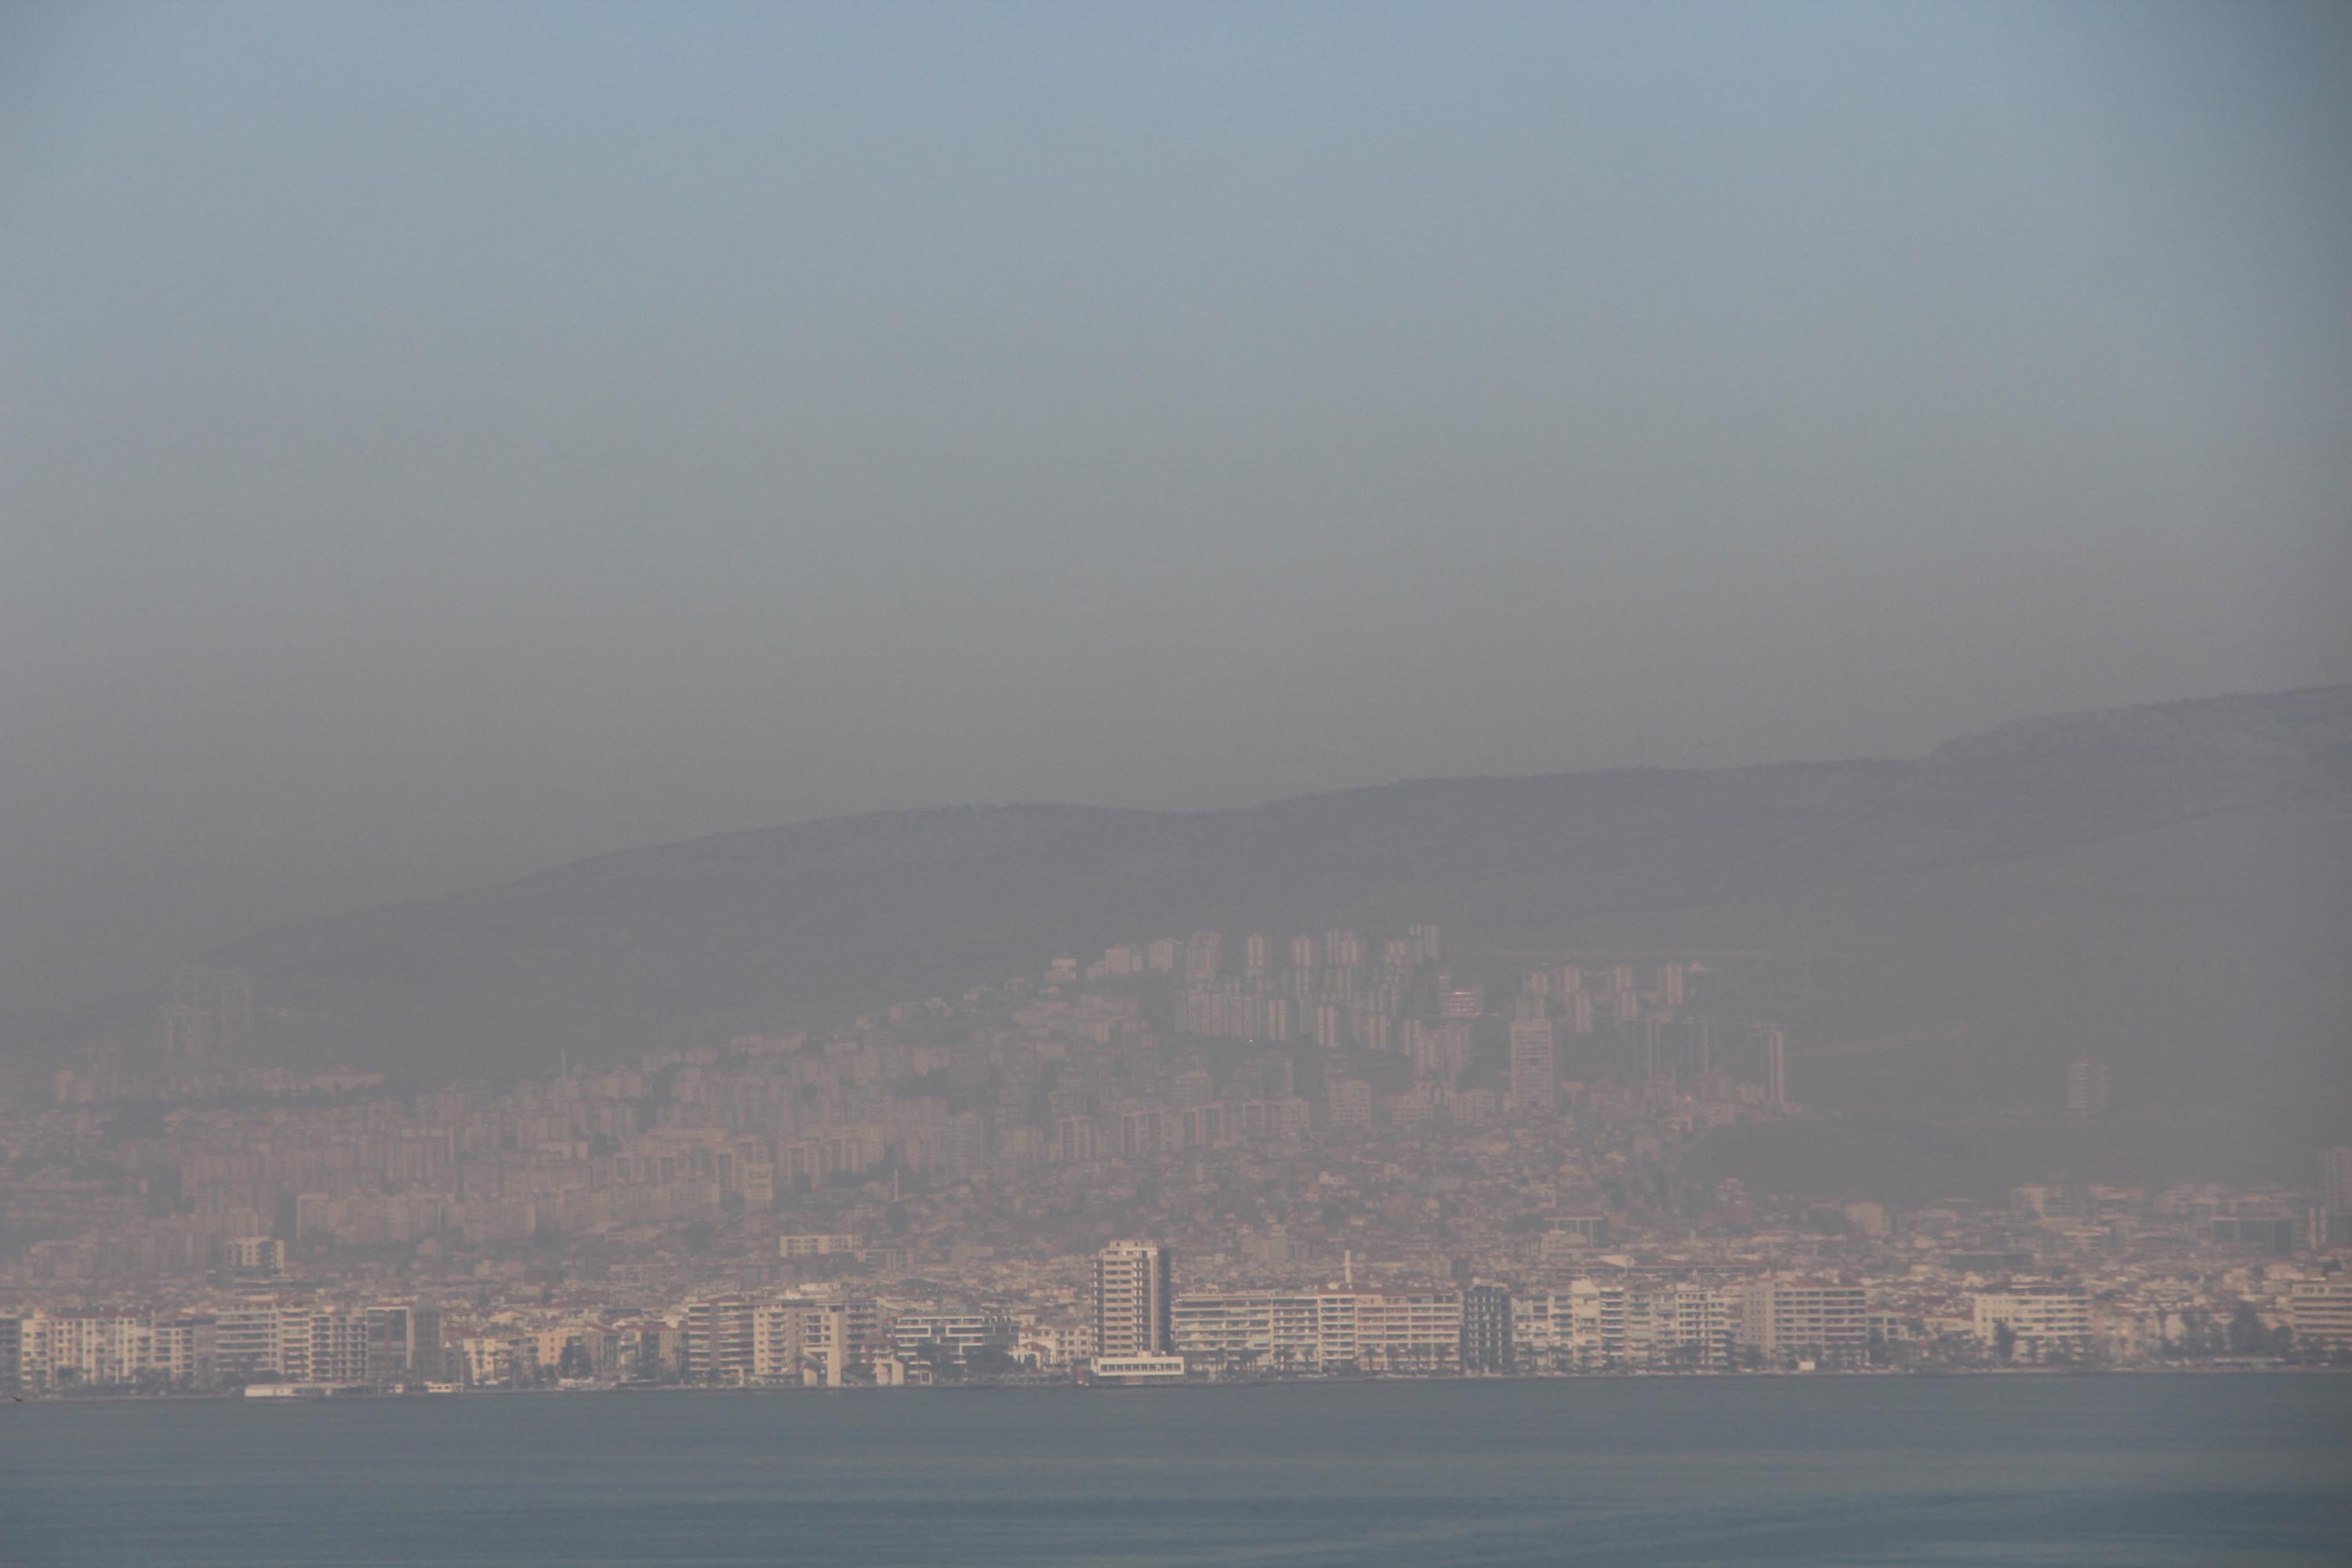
column 909, row 1201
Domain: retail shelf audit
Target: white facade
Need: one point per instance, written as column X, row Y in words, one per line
column 2039, row 1316
column 1375, row 1330
column 1133, row 1291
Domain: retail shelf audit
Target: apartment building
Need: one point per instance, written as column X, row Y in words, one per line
column 2040, row 1316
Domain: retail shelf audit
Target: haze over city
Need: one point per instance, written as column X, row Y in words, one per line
column 447, row 444
column 1445, row 783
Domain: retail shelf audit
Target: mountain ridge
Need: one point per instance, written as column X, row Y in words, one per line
column 801, row 924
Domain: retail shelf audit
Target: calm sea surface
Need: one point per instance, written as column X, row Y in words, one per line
column 1842, row 1471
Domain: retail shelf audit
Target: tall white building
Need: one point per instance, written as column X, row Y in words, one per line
column 2336, row 1180
column 1535, row 1068
column 2089, row 1089
column 1775, row 1046
column 1134, row 1291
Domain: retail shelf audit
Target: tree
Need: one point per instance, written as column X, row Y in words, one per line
column 2246, row 1335
column 2005, row 1342
column 990, row 1360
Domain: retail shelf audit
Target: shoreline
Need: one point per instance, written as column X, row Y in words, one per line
column 370, row 1396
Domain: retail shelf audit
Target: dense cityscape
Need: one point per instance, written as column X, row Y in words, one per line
column 1187, row 1159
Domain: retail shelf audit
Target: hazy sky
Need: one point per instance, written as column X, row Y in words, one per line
column 441, row 441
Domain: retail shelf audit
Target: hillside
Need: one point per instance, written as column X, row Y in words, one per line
column 2170, row 885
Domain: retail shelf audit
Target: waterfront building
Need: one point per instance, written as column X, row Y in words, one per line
column 1807, row 1318
column 2320, row 1311
column 1487, row 1329
column 1134, row 1290
column 2043, row 1317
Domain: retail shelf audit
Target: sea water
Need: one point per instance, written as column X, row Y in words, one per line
column 2140, row 1471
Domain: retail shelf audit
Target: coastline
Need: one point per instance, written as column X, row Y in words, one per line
column 376, row 1396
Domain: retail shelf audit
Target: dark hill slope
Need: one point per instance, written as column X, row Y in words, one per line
column 1896, row 859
